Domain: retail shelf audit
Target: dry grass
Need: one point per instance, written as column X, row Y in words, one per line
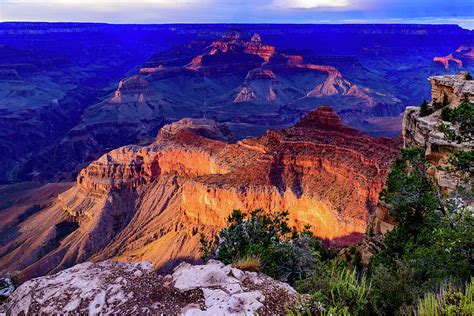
column 248, row 263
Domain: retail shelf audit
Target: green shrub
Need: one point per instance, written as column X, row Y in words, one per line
column 439, row 250
column 462, row 119
column 428, row 306
column 446, row 114
column 206, row 247
column 463, row 161
column 432, row 241
column 393, row 287
column 337, row 290
column 448, row 301
column 461, row 165
column 260, row 230
column 467, row 76
column 408, row 191
column 284, row 253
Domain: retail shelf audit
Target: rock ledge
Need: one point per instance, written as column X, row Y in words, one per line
column 116, row 288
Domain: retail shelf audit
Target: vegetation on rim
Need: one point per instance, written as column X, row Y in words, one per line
column 429, row 249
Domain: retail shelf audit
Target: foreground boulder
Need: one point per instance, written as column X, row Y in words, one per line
column 116, row 288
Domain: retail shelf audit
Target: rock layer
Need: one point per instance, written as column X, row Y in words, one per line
column 454, row 87
column 151, row 203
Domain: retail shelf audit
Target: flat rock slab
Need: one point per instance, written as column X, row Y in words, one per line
column 115, row 288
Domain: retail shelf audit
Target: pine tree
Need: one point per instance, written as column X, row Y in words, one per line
column 425, row 110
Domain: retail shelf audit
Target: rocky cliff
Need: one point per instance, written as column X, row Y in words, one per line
column 151, row 202
column 453, row 87
column 424, row 131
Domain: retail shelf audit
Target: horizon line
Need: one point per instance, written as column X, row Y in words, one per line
column 238, row 23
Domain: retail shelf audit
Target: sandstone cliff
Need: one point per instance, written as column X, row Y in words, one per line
column 151, row 203
column 423, row 130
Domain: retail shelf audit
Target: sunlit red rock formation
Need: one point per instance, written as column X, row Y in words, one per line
column 466, row 50
column 445, row 60
column 151, row 203
column 257, row 47
column 461, row 57
column 233, row 43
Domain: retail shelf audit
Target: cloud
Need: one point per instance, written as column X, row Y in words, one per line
column 310, row 4
column 162, row 3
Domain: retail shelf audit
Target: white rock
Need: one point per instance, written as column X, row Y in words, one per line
column 108, row 287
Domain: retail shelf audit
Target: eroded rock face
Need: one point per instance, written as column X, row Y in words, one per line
column 455, row 88
column 122, row 288
column 151, row 202
column 423, row 131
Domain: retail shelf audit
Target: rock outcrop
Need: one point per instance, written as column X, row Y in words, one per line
column 446, row 60
column 461, row 57
column 111, row 288
column 454, row 88
column 424, row 132
column 151, row 202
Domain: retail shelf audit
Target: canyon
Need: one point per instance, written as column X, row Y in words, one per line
column 152, row 202
column 124, row 148
column 74, row 91
column 133, row 146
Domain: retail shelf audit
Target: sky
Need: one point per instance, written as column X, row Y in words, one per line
column 242, row 11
